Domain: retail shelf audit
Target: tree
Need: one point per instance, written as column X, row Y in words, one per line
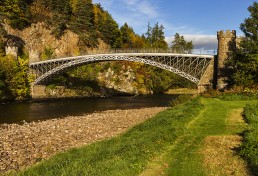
column 108, row 28
column 149, row 34
column 250, row 29
column 244, row 62
column 179, row 45
column 61, row 16
column 155, row 37
column 3, row 86
column 127, row 33
column 130, row 39
column 84, row 23
column 14, row 77
column 17, row 12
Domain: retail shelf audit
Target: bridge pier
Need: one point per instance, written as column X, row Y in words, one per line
column 207, row 80
column 38, row 91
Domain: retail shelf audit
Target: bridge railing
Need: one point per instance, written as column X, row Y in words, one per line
column 148, row 50
column 134, row 50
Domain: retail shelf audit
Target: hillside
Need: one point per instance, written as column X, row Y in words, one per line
column 45, row 29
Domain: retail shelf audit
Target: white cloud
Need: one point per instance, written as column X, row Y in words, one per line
column 206, row 42
column 137, row 14
column 142, row 7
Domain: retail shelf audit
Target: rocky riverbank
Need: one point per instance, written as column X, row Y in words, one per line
column 24, row 145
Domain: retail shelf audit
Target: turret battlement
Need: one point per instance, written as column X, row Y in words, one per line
column 11, row 50
column 226, row 34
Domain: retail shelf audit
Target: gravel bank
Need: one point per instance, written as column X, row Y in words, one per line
column 26, row 144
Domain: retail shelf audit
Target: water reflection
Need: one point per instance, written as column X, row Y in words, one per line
column 31, row 111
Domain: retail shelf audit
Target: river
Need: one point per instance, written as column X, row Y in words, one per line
column 33, row 111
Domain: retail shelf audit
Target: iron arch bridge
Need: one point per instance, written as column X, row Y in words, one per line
column 189, row 66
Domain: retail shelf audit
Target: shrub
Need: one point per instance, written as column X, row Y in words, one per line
column 211, row 94
column 181, row 99
column 238, row 96
column 249, row 148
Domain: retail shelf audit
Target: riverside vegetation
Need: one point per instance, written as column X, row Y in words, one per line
column 249, row 149
column 199, row 137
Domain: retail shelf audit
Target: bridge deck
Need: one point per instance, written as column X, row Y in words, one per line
column 125, row 54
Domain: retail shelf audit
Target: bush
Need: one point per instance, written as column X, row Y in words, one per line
column 181, row 99
column 238, row 96
column 249, row 148
column 235, row 95
column 211, row 94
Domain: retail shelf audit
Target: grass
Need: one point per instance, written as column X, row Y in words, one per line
column 127, row 154
column 175, row 142
column 220, row 156
column 249, row 149
column 216, row 121
column 182, row 91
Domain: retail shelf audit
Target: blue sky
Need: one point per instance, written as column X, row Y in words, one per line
column 197, row 20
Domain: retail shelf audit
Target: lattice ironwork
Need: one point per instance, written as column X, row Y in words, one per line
column 189, row 66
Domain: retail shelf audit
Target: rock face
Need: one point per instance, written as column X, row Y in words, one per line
column 38, row 37
column 26, row 144
column 121, row 82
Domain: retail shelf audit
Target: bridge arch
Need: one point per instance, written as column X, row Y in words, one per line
column 189, row 66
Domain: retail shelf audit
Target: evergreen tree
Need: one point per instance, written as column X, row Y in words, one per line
column 61, row 17
column 155, row 37
column 179, row 45
column 17, row 12
column 148, row 34
column 126, row 32
column 84, row 23
column 109, row 29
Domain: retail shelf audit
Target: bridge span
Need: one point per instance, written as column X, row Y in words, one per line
column 194, row 67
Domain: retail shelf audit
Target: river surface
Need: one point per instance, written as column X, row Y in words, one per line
column 33, row 111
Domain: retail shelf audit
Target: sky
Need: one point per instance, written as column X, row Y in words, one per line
column 196, row 20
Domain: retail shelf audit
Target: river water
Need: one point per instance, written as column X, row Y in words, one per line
column 33, row 111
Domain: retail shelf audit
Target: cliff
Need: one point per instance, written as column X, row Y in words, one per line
column 38, row 38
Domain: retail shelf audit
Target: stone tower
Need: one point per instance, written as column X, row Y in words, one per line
column 226, row 45
column 11, row 50
column 12, row 47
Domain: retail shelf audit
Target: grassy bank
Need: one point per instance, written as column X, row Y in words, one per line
column 249, row 148
column 127, row 154
column 199, row 151
column 182, row 91
column 198, row 138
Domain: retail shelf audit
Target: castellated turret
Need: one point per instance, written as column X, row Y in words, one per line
column 226, row 45
column 11, row 50
column 12, row 45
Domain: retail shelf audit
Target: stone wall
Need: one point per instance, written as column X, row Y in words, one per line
column 207, row 80
column 226, row 45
